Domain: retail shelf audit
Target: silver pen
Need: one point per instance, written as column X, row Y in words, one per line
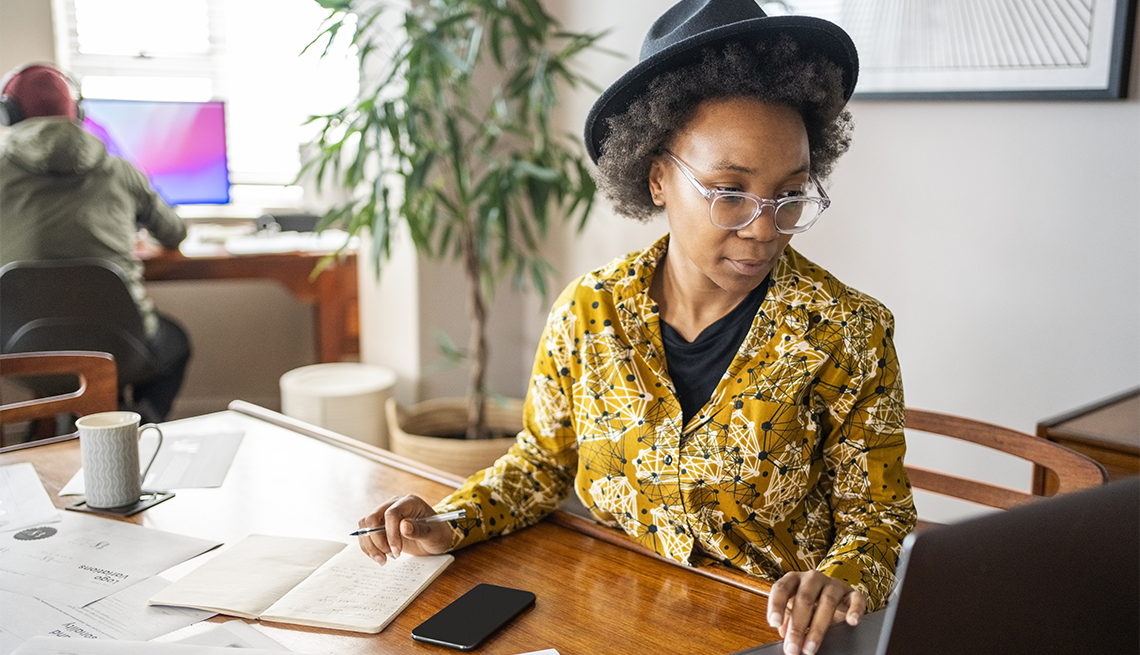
column 434, row 518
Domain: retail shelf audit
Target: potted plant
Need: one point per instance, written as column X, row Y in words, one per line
column 452, row 136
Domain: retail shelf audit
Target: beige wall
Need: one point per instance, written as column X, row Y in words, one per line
column 245, row 335
column 26, row 33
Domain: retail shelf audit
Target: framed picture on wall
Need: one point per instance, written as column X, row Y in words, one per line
column 998, row 49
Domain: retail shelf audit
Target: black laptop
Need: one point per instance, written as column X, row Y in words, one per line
column 1060, row 575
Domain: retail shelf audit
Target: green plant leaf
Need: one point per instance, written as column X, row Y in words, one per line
column 335, row 5
column 452, row 133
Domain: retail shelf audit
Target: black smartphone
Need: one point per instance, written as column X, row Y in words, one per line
column 474, row 616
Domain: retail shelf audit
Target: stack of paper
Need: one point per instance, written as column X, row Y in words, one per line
column 85, row 558
column 56, row 646
column 76, row 575
column 23, row 501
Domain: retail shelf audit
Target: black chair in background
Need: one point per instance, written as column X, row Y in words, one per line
column 73, row 304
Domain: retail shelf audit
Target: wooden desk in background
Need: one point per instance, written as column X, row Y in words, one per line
column 1107, row 431
column 333, row 292
column 594, row 596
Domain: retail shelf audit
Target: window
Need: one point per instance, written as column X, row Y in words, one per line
column 245, row 52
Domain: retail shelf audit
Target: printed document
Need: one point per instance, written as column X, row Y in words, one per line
column 84, row 558
column 232, row 634
column 193, row 456
column 23, row 500
column 60, row 646
column 306, row 582
column 122, row 615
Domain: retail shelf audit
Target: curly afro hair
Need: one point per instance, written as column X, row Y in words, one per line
column 775, row 72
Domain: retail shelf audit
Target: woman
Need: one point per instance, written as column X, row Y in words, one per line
column 717, row 396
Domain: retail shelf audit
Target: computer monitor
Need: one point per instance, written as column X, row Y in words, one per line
column 180, row 146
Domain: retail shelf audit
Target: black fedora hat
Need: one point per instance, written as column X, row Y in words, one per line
column 678, row 36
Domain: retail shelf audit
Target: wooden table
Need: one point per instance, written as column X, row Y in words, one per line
column 594, row 595
column 334, row 291
column 1107, row 431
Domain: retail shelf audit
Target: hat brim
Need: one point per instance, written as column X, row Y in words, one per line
column 815, row 33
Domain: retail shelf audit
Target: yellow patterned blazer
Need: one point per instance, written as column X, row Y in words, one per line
column 795, row 463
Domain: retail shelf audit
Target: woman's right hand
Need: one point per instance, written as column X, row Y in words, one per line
column 401, row 534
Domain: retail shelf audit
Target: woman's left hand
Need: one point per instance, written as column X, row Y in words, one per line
column 804, row 604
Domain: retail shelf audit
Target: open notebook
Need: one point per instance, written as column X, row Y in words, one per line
column 306, row 582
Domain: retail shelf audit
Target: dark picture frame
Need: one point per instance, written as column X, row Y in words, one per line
column 989, row 49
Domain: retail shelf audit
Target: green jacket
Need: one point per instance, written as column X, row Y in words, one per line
column 63, row 197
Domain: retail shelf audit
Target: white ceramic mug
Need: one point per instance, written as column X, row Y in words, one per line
column 109, row 443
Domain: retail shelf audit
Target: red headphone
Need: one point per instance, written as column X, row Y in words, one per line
column 39, row 90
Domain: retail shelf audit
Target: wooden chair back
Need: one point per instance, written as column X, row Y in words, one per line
column 1074, row 470
column 98, row 384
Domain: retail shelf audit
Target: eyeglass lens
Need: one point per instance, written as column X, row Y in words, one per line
column 733, row 212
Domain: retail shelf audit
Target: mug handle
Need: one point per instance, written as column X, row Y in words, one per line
column 151, row 426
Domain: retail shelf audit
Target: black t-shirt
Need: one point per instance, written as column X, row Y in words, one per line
column 697, row 367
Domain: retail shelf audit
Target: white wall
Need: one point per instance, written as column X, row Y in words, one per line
column 1010, row 255
column 412, row 300
column 1005, row 237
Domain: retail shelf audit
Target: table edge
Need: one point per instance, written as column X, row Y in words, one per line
column 718, row 572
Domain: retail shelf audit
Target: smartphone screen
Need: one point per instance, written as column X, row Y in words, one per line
column 474, row 616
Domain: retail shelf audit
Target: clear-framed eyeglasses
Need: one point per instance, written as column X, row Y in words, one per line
column 735, row 210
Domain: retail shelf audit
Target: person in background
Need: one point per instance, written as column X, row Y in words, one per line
column 62, row 196
column 717, row 396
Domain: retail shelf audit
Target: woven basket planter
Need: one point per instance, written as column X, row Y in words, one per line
column 421, row 432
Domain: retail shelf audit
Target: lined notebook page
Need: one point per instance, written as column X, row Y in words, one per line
column 352, row 592
column 246, row 578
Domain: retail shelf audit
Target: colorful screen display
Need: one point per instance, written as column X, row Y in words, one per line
column 180, row 146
